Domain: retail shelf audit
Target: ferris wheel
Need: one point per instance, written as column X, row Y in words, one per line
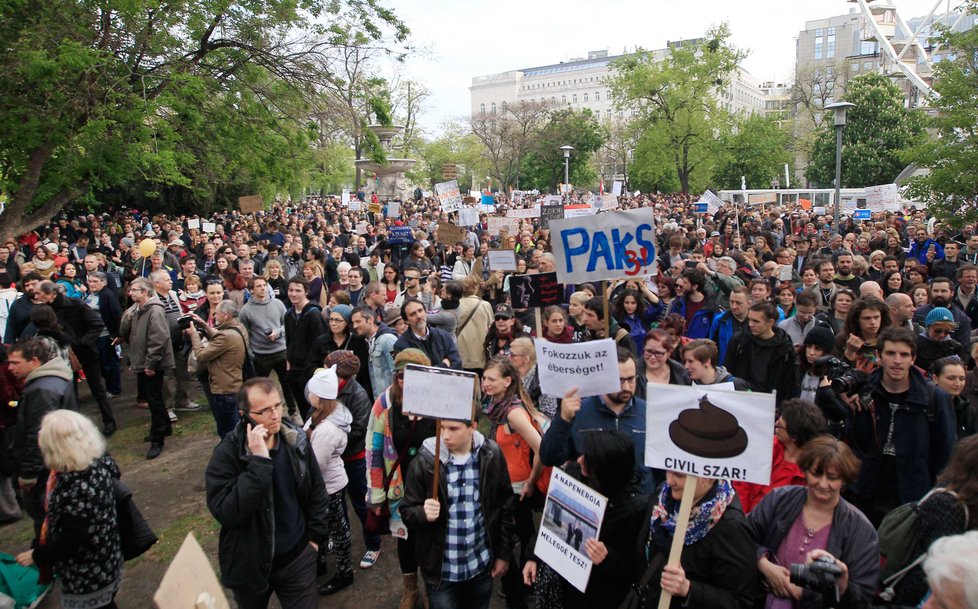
column 905, row 52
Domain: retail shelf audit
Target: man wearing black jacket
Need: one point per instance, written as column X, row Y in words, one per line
column 106, row 302
column 303, row 324
column 437, row 344
column 20, row 311
column 265, row 488
column 764, row 356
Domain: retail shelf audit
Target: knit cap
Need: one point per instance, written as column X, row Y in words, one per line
column 324, row 383
column 939, row 314
column 820, row 336
column 410, row 356
column 346, row 311
column 347, row 364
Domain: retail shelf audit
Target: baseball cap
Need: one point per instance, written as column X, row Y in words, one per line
column 504, row 310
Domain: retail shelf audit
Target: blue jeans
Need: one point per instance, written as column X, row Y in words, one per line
column 225, row 411
column 472, row 594
column 356, row 471
column 111, row 370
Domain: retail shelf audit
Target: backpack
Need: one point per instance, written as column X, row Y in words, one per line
column 897, row 540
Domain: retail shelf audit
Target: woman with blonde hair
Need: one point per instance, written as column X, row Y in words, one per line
column 277, row 284
column 524, row 356
column 79, row 540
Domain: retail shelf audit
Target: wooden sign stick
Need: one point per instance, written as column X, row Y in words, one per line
column 679, row 536
column 537, row 315
column 434, row 486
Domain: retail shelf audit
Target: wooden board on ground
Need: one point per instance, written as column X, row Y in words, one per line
column 189, row 581
column 251, row 204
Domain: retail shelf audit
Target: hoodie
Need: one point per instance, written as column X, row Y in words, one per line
column 48, row 387
column 766, row 364
column 328, row 441
column 261, row 317
column 723, row 376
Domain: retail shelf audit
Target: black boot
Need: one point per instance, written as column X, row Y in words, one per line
column 321, row 567
column 337, row 583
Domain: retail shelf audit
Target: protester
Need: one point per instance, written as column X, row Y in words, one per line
column 223, row 355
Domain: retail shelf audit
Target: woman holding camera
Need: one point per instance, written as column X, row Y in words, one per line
column 792, row 521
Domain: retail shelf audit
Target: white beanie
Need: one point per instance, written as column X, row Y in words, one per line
column 324, row 384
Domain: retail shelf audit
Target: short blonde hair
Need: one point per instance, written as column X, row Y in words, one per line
column 69, row 441
column 525, row 346
column 580, row 297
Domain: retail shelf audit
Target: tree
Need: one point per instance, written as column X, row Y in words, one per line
column 812, row 90
column 544, row 166
column 456, row 145
column 88, row 90
column 621, row 137
column 676, row 97
column 878, row 131
column 507, row 136
column 756, row 147
column 951, row 155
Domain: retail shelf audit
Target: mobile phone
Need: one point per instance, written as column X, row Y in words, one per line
column 691, row 264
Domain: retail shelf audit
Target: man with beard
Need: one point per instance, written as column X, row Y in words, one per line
column 19, row 316
column 622, row 411
column 942, row 292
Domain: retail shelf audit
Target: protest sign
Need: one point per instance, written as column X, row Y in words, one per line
column 400, row 235
column 531, row 212
column 449, row 234
column 535, row 291
column 488, row 199
column 616, row 188
column 209, row 227
column 712, row 201
column 438, row 393
column 701, row 208
column 882, row 198
column 374, row 208
column 517, row 197
column 818, row 211
column 592, row 367
column 551, row 211
column 604, row 202
column 393, row 209
column 806, row 204
column 862, row 214
column 579, row 210
column 193, row 223
column 764, row 197
column 449, row 196
column 356, row 204
column 553, row 200
column 345, row 197
column 468, row 216
column 190, row 581
column 572, row 514
column 502, row 260
column 708, row 433
column 250, row 204
column 607, row 246
column 496, row 225
column 361, row 228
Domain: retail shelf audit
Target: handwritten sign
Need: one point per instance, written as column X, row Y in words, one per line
column 885, row 197
column 438, row 393
column 572, row 514
column 193, row 223
column 530, row 212
column 393, row 209
column 468, row 216
column 550, row 212
column 708, row 433
column 616, row 188
column 449, row 234
column 251, row 204
column 356, row 204
column 209, row 227
column 606, row 246
column 592, row 367
column 502, row 260
column 360, row 228
column 497, row 225
column 345, row 198
column 449, row 196
column 537, row 290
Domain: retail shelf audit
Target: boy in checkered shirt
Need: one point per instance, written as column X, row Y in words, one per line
column 464, row 538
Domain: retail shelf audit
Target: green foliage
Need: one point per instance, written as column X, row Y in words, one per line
column 544, row 165
column 757, row 148
column 951, row 187
column 677, row 104
column 878, row 132
column 456, row 145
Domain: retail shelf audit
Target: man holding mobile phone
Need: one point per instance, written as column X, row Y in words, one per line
column 265, row 489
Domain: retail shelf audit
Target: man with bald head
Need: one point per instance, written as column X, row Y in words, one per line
column 901, row 311
column 870, row 288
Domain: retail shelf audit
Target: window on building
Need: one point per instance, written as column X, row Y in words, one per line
column 585, row 97
column 574, row 98
column 563, row 99
column 553, row 100
column 504, row 106
column 597, row 114
column 482, row 108
column 830, row 44
column 597, row 96
column 819, row 43
column 621, row 114
column 493, row 107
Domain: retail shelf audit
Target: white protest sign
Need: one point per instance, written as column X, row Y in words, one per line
column 604, row 202
column 764, row 197
column 502, row 260
column 579, row 211
column 345, row 197
column 449, row 195
column 592, row 367
column 616, row 188
column 712, row 201
column 361, row 228
column 209, row 227
column 883, row 197
column 355, row 204
column 510, row 225
column 393, row 209
column 553, row 200
column 193, row 223
column 711, row 434
column 438, row 393
column 572, row 515
column 468, row 216
column 818, row 210
column 605, row 246
column 532, row 212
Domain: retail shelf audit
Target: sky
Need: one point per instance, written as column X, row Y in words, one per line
column 460, row 40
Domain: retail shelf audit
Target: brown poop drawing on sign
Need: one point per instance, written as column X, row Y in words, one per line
column 708, row 431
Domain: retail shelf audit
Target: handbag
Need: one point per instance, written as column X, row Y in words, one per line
column 380, row 524
column 134, row 532
column 637, row 594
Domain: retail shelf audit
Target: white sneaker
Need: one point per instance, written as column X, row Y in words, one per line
column 173, row 415
column 188, row 407
column 369, row 559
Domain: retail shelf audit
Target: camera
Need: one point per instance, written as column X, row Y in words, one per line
column 844, row 378
column 820, row 575
column 185, row 321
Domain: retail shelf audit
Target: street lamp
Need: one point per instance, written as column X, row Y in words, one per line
column 567, row 150
column 839, row 112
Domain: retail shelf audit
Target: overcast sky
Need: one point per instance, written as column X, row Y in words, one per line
column 466, row 39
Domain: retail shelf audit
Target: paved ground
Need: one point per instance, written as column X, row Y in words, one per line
column 170, row 493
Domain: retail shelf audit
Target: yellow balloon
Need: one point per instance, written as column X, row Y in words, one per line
column 147, row 247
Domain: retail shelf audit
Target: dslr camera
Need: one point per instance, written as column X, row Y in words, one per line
column 844, row 378
column 820, row 576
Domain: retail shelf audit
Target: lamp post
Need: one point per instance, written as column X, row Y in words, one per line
column 567, row 150
column 839, row 114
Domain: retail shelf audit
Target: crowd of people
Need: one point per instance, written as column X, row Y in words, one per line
column 295, row 327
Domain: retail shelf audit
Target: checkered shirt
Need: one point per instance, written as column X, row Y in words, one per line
column 466, row 545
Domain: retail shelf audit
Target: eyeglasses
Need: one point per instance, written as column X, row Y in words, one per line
column 942, row 331
column 502, row 318
column 336, row 320
column 627, row 380
column 652, row 353
column 407, row 277
column 264, row 412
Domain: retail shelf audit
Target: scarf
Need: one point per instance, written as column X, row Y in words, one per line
column 702, row 518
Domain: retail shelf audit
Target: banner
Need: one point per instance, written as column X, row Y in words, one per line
column 572, row 514
column 438, row 393
column 591, row 367
column 606, row 246
column 537, row 290
column 449, row 195
column 709, row 433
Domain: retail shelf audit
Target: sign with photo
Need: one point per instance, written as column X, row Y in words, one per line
column 572, row 515
column 537, row 290
column 703, row 432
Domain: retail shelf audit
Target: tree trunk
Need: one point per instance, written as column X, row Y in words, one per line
column 18, row 218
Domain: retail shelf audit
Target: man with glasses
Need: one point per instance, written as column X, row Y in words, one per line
column 800, row 324
column 265, row 489
column 936, row 342
column 942, row 295
column 412, row 287
column 621, row 411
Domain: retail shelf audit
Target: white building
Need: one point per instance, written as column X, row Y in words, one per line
column 583, row 83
